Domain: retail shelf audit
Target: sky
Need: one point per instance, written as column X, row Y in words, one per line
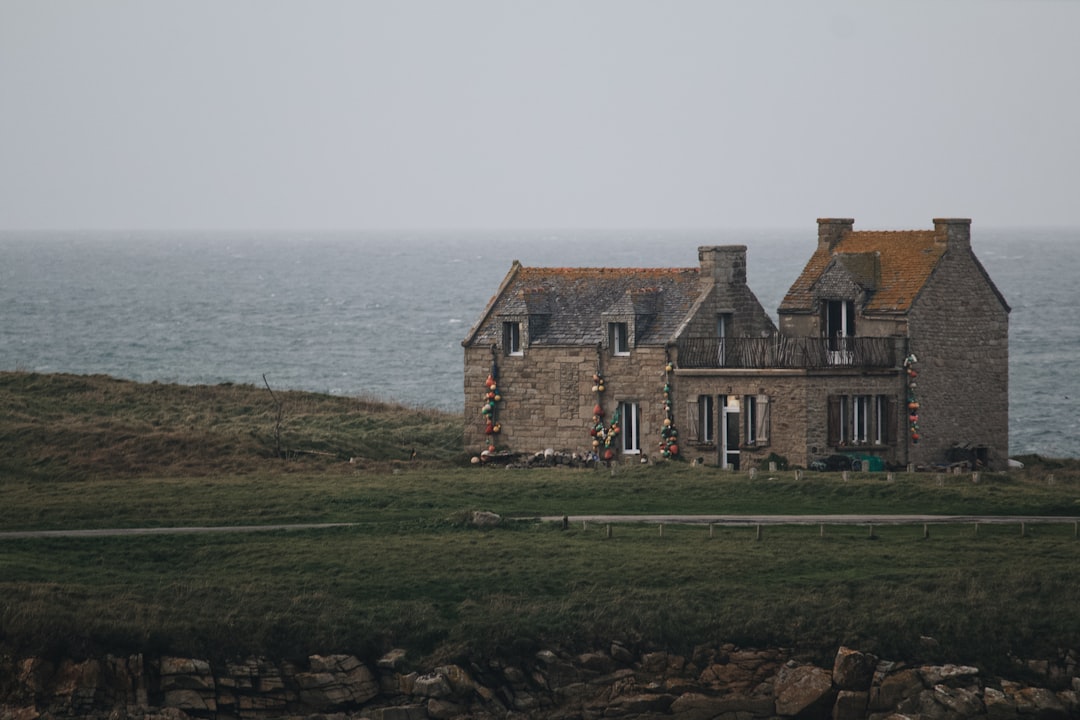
column 504, row 114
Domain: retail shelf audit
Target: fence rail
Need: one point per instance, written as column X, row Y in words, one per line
column 782, row 351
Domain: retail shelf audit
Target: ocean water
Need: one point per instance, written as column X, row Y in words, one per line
column 382, row 315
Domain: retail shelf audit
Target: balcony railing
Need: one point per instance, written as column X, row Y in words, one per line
column 787, row 352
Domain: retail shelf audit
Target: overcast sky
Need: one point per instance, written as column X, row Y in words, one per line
column 493, row 114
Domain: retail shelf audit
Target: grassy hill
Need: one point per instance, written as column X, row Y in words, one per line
column 94, row 452
column 77, row 427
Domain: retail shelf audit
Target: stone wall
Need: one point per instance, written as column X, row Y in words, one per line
column 713, row 683
column 960, row 335
column 798, row 402
column 547, row 399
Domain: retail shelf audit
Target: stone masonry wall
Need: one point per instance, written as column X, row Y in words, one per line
column 960, row 335
column 548, row 401
column 715, row 682
column 798, row 409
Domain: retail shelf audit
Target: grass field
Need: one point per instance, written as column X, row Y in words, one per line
column 78, row 452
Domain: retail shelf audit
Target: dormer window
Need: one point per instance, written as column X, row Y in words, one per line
column 619, row 337
column 839, row 325
column 512, row 338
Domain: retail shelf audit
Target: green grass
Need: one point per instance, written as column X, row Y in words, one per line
column 87, row 453
column 439, row 589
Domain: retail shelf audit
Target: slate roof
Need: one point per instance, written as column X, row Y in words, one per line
column 905, row 260
column 574, row 305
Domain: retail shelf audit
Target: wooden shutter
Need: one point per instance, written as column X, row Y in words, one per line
column 891, row 437
column 693, row 429
column 834, row 419
column 763, row 420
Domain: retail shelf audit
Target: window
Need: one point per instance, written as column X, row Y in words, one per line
column 756, row 419
column 861, row 420
column 619, row 337
column 630, row 419
column 723, row 323
column 839, row 326
column 706, row 431
column 512, row 338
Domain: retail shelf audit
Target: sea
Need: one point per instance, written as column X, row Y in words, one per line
column 381, row 315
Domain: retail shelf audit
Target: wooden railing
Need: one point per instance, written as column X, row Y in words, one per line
column 787, row 352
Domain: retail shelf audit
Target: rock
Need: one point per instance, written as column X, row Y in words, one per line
column 393, row 660
column 336, row 681
column 443, row 709
column 190, row 700
column 597, row 663
column 482, row 518
column 697, row 706
column 655, row 662
column 937, row 674
column 547, row 657
column 894, row 689
column 514, row 675
column 1042, row 703
column 853, row 670
column 432, row 685
column 961, row 701
column 620, row 654
column 727, row 677
column 638, row 704
column 998, row 707
column 398, row 712
column 804, row 690
column 461, row 683
column 850, row 705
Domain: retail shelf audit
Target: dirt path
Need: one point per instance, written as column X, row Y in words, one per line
column 736, row 520
column 106, row 532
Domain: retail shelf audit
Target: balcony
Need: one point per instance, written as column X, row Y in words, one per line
column 782, row 352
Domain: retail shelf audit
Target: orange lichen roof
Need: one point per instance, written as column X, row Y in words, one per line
column 907, row 257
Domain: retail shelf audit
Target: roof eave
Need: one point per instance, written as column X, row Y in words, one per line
column 515, row 268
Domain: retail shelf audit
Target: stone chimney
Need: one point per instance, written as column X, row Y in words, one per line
column 953, row 232
column 723, row 263
column 832, row 230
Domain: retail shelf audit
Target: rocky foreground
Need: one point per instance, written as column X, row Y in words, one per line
column 716, row 683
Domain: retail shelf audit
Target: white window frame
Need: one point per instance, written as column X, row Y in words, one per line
column 881, row 422
column 630, row 427
column 861, row 419
column 512, row 338
column 705, row 415
column 620, row 338
column 755, row 410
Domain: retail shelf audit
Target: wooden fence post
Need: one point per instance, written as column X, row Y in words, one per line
column 925, row 531
column 661, row 529
column 609, row 531
column 710, row 529
column 565, row 522
column 758, row 536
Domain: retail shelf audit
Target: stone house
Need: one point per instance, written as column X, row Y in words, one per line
column 891, row 347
